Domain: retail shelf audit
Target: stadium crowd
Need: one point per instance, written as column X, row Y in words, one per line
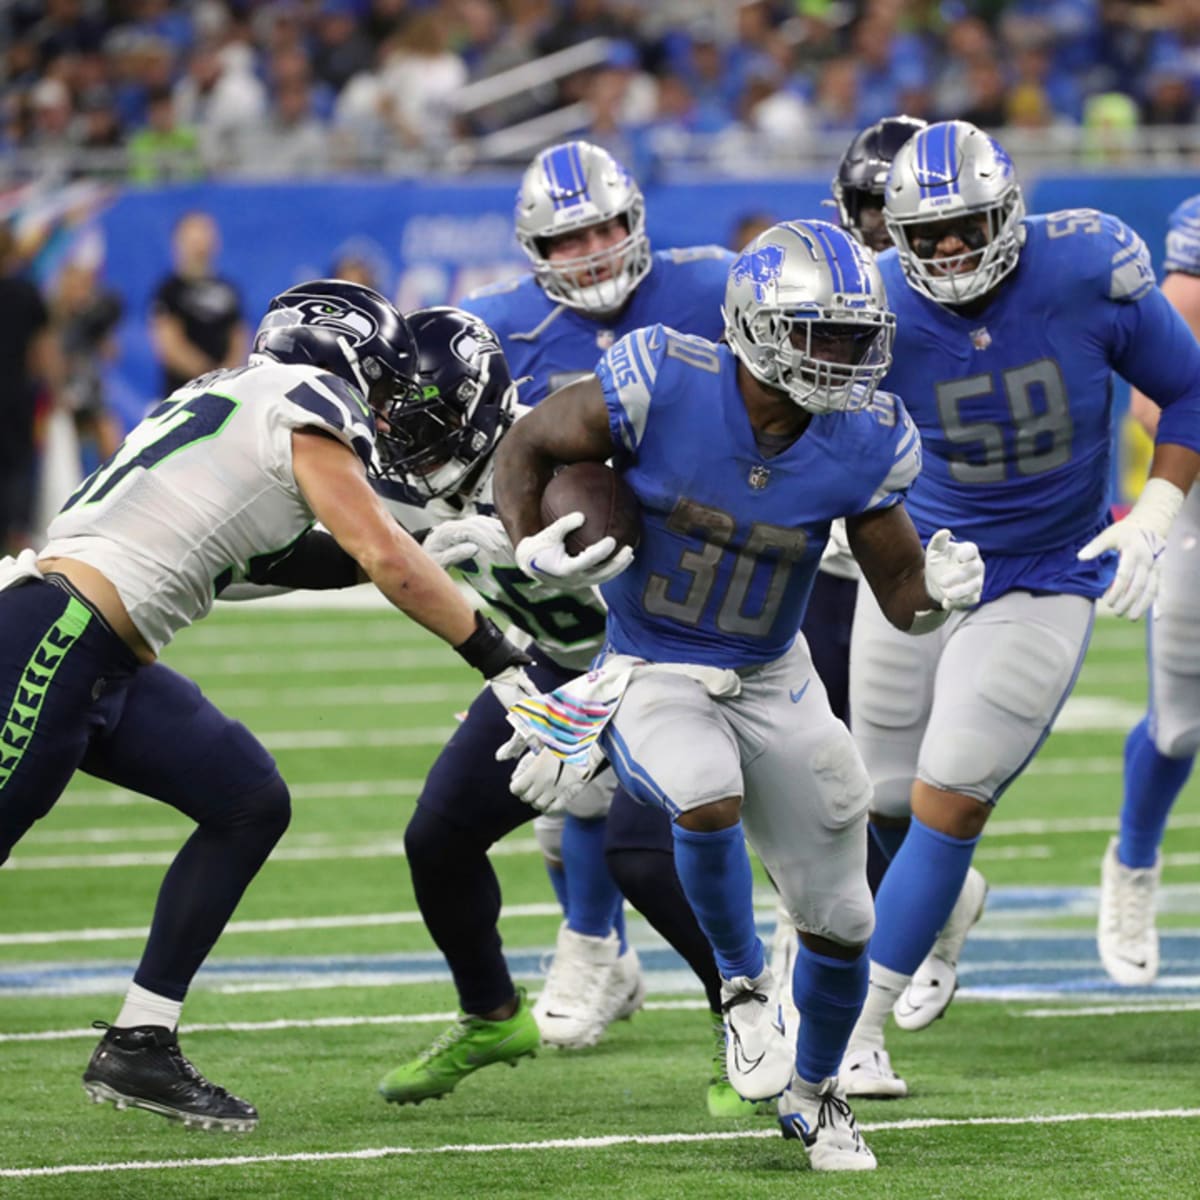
column 284, row 88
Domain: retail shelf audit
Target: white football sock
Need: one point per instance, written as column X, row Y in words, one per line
column 886, row 986
column 147, row 1008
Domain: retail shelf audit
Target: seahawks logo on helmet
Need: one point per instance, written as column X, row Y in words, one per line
column 356, row 323
column 762, row 267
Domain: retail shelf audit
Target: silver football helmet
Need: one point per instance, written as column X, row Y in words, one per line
column 568, row 188
column 948, row 172
column 806, row 313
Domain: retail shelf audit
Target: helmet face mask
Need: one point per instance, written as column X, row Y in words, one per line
column 441, row 437
column 952, row 181
column 568, row 190
column 349, row 330
column 806, row 314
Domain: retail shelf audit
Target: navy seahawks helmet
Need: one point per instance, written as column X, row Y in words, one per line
column 346, row 329
column 466, row 400
column 861, row 175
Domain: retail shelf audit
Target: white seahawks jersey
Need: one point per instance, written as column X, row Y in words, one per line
column 203, row 487
column 567, row 626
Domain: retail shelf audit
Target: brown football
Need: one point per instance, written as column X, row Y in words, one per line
column 607, row 502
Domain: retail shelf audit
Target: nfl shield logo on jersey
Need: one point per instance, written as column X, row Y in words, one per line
column 605, row 338
column 758, row 477
column 980, row 338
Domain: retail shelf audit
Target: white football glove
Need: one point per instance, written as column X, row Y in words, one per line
column 543, row 556
column 542, row 779
column 510, row 686
column 454, row 542
column 953, row 572
column 1140, row 540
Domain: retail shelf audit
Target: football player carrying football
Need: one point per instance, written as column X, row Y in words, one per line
column 1008, row 331
column 741, row 455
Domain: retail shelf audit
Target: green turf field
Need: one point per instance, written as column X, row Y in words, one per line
column 1042, row 1082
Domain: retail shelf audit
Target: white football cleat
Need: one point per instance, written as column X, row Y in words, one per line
column 577, row 1001
column 1126, row 934
column 869, row 1073
column 626, row 988
column 935, row 981
column 818, row 1115
column 758, row 1055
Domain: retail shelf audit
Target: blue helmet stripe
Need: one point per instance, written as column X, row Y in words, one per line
column 936, row 159
column 564, row 176
column 845, row 262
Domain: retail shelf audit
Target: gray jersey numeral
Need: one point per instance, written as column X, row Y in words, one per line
column 1041, row 431
column 785, row 547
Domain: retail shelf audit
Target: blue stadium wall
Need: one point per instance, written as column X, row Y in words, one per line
column 432, row 243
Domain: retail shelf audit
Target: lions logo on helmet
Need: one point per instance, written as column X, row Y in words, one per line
column 954, row 181
column 567, row 189
column 806, row 314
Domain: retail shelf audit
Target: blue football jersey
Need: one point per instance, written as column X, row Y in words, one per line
column 1183, row 239
column 731, row 537
column 1015, row 405
column 549, row 345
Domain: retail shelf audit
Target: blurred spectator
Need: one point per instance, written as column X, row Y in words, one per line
column 164, row 149
column 342, row 49
column 220, row 96
column 86, row 314
column 777, row 115
column 291, row 143
column 1169, row 98
column 968, row 40
column 515, row 45
column 835, row 106
column 579, row 21
column 27, row 357
column 747, row 227
column 419, row 74
column 196, row 323
column 1110, row 122
column 987, row 94
column 356, row 268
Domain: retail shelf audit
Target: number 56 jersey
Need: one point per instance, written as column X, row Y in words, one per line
column 203, row 487
column 1015, row 405
column 731, row 532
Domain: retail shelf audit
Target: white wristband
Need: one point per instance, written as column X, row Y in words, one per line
column 1157, row 506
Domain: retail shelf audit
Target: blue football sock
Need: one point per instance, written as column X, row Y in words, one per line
column 558, row 881
column 1152, row 783
column 883, row 844
column 714, row 871
column 829, row 994
column 592, row 897
column 917, row 895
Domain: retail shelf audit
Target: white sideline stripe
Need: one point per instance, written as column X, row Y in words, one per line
column 1005, row 853
column 458, row 694
column 344, row 739
column 1088, row 714
column 330, row 789
column 315, row 662
column 60, row 1035
column 288, row 633
column 1113, row 1010
column 581, row 1143
column 378, row 849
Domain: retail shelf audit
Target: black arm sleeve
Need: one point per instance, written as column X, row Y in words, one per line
column 314, row 562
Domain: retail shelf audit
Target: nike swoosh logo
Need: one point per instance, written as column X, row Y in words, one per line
column 474, row 1059
column 741, row 1061
column 1140, row 963
column 798, row 696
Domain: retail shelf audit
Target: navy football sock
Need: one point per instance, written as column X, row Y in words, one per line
column 917, row 896
column 883, row 844
column 1152, row 783
column 714, row 871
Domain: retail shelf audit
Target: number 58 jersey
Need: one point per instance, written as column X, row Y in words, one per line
column 731, row 533
column 1015, row 405
column 203, row 487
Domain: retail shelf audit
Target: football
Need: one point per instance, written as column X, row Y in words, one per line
column 607, row 502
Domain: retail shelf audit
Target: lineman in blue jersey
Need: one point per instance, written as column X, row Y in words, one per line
column 580, row 218
column 1161, row 748
column 1008, row 331
column 220, row 482
column 741, row 456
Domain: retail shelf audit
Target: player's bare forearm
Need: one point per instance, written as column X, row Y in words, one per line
column 887, row 547
column 1176, row 464
column 570, row 425
column 335, row 487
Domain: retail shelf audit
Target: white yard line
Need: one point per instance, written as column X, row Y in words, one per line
column 1113, row 1010
column 580, row 1143
column 335, row 789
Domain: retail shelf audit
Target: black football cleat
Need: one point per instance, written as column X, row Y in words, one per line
column 143, row 1067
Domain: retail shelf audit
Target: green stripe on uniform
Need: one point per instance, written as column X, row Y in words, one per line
column 22, row 718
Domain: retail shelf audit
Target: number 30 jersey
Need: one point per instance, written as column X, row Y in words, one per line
column 731, row 534
column 203, row 487
column 1015, row 405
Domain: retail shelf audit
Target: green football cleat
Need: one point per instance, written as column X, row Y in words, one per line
column 468, row 1044
column 723, row 1100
